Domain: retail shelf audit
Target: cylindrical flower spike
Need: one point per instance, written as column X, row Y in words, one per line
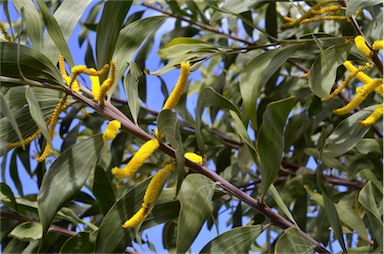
column 362, row 46
column 95, row 82
column 155, row 184
column 194, row 157
column 328, row 9
column 379, row 44
column 5, row 32
column 179, row 87
column 108, row 83
column 111, row 130
column 304, row 75
column 322, row 18
column 370, row 120
column 136, row 219
column 360, row 75
column 137, row 160
column 26, row 141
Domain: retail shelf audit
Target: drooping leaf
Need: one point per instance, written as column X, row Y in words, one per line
column 367, row 199
column 270, row 141
column 323, row 70
column 131, row 83
column 237, row 240
column 79, row 243
column 347, row 134
column 208, row 98
column 354, row 5
column 27, row 231
column 291, row 241
column 196, row 206
column 66, row 176
column 55, row 32
column 257, row 73
column 279, row 201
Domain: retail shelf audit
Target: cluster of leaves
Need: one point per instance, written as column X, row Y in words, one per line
column 262, row 127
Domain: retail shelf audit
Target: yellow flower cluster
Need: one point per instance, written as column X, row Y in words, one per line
column 5, row 32
column 111, row 130
column 369, row 85
column 318, row 9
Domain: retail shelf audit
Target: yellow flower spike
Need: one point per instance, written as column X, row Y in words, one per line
column 179, row 87
column 304, row 75
column 136, row 219
column 327, row 9
column 26, row 141
column 323, row 18
column 359, row 97
column 373, row 118
column 155, row 184
column 111, row 130
column 360, row 75
column 52, row 124
column 108, row 83
column 378, row 45
column 95, row 81
column 362, row 46
column 194, row 157
column 345, row 82
column 5, row 32
column 137, row 160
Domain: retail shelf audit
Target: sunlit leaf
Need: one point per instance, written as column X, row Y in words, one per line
column 182, row 45
column 291, row 241
column 27, row 231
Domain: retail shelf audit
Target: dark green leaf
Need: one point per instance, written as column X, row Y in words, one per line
column 292, row 242
column 66, row 176
column 131, row 83
column 257, row 73
column 271, row 19
column 196, row 206
column 6, row 110
column 79, row 243
column 367, row 199
column 270, row 141
column 7, row 191
column 237, row 240
column 102, row 189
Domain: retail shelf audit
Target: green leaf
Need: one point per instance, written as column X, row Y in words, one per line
column 323, row 70
column 33, row 22
column 102, row 189
column 7, row 191
column 354, row 5
column 54, row 31
column 34, row 65
column 369, row 145
column 176, row 63
column 368, row 174
column 36, row 113
column 135, row 33
column 79, row 243
column 196, row 206
column 168, row 125
column 27, row 231
column 270, row 141
column 347, row 134
column 131, row 83
column 208, row 98
column 67, row 17
column 182, row 45
column 232, row 7
column 257, row 73
column 111, row 236
column 237, row 240
column 291, row 241
column 367, row 199
column 279, row 201
column 6, row 110
column 66, row 176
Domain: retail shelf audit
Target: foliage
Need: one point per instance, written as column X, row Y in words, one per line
column 279, row 156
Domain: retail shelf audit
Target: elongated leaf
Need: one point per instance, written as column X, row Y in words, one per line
column 103, row 191
column 347, row 134
column 181, row 45
column 354, row 5
column 108, row 29
column 367, row 199
column 7, row 191
column 6, row 110
column 33, row 64
column 79, row 243
column 270, row 141
column 237, row 240
column 257, row 73
column 369, row 145
column 27, row 231
column 67, row 16
column 54, row 31
column 33, row 22
column 279, row 201
column 131, row 83
column 292, row 242
column 36, row 113
column 66, row 176
column 130, row 39
column 234, row 6
column 196, row 206
column 323, row 70
column 368, row 174
column 208, row 98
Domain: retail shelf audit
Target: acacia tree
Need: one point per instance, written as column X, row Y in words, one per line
column 282, row 83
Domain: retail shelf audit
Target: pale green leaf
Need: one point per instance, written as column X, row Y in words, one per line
column 191, row 57
column 257, row 73
column 182, row 45
column 237, row 240
column 323, row 70
column 279, row 201
column 354, row 5
column 27, row 231
column 233, row 6
column 66, row 176
column 270, row 141
column 367, row 199
column 196, row 206
column 370, row 176
column 369, row 145
column 291, row 241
